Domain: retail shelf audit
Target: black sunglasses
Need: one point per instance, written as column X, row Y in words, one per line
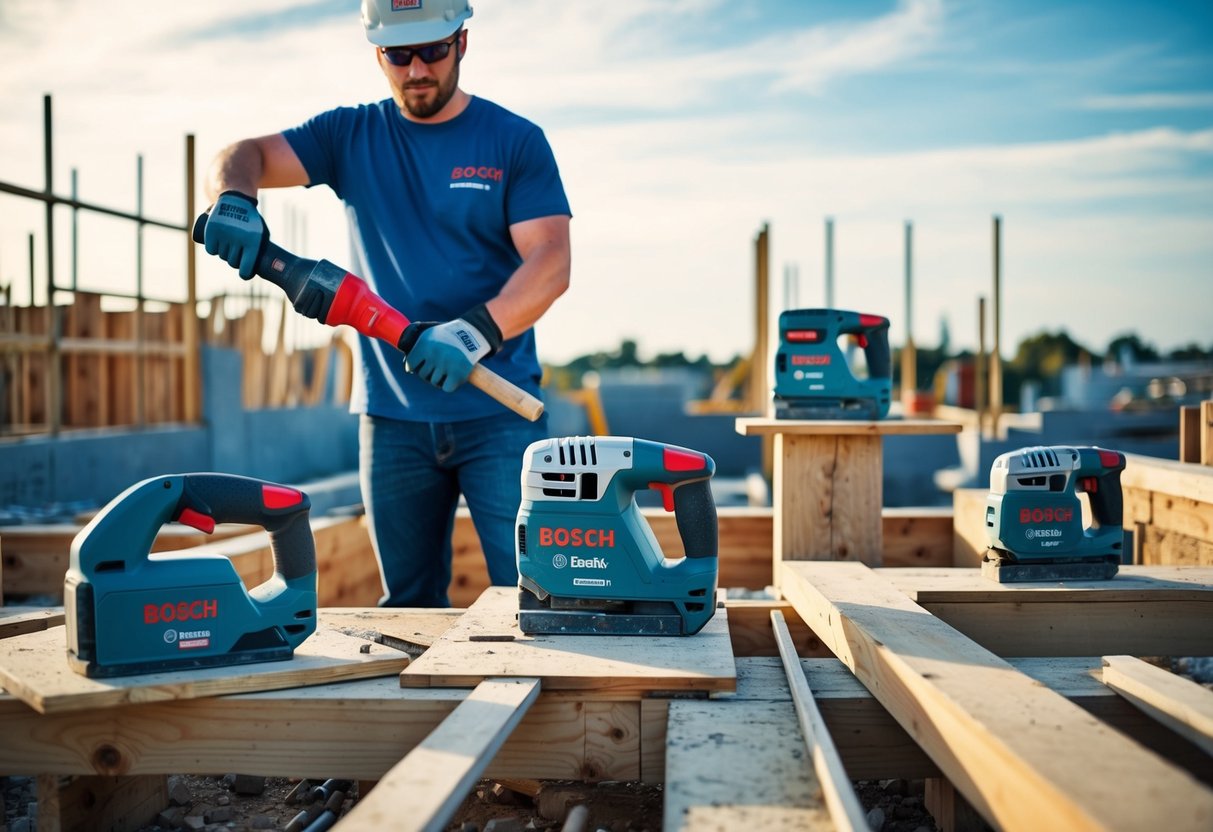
column 403, row 55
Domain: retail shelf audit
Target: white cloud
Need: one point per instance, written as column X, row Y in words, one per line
column 1150, row 101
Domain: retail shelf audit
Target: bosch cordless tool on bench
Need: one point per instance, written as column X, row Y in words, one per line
column 813, row 379
column 588, row 562
column 128, row 611
column 1034, row 515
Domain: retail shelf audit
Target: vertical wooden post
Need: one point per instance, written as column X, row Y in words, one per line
column 54, row 373
column 1206, row 433
column 760, row 365
column 140, row 319
column 979, row 369
column 996, row 351
column 1189, row 433
column 829, row 262
column 191, row 383
column 760, row 396
column 909, row 358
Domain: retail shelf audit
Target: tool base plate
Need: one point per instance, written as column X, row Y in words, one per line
column 998, row 567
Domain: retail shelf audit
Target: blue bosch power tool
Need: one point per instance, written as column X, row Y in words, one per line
column 1034, row 516
column 128, row 611
column 813, row 379
column 588, row 563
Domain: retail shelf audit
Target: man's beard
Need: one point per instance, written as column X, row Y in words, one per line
column 445, row 91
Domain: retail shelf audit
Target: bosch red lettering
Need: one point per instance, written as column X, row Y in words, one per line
column 1045, row 515
column 814, row 360
column 589, row 538
column 181, row 611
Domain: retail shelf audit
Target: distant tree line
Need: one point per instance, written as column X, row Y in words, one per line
column 1038, row 358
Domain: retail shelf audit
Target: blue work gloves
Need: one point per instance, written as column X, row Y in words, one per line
column 236, row 232
column 445, row 354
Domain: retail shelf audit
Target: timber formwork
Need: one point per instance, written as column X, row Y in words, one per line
column 1024, row 702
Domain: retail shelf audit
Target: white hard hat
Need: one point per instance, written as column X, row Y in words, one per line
column 405, row 22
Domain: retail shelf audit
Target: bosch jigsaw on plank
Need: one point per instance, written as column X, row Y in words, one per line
column 1034, row 515
column 588, row 563
column 128, row 611
column 813, row 379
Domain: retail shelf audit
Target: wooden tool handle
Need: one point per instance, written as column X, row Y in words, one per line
column 509, row 394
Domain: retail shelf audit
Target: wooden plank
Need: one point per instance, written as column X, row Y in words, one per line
column 16, row 621
column 1182, row 705
column 1183, row 515
column 1132, row 583
column 1021, row 754
column 616, row 667
column 767, row 426
column 425, row 788
column 33, row 668
column 1189, row 434
column 839, row 794
column 116, row 804
column 1169, row 548
column 739, row 765
column 1145, row 610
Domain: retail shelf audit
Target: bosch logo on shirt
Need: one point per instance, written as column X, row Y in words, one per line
column 477, row 177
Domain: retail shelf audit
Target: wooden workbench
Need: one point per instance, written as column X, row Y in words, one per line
column 827, row 484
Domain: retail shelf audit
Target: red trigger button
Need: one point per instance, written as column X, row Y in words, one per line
column 862, row 340
column 666, row 492
column 200, row 521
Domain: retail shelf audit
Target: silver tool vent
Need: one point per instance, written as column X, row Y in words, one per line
column 1039, row 458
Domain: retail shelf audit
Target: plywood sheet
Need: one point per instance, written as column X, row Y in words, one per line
column 612, row 665
column 33, row 667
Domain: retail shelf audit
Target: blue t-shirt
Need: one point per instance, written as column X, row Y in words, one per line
column 430, row 208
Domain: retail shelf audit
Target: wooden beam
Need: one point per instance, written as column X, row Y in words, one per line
column 119, row 804
column 1021, row 754
column 1182, row 705
column 360, row 729
column 1169, row 477
column 1145, row 611
column 836, row 787
column 425, row 788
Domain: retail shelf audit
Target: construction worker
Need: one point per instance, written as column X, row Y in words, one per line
column 458, row 217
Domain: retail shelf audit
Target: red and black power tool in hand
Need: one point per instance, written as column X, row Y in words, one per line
column 328, row 293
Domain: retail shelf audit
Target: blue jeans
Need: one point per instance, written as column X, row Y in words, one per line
column 412, row 474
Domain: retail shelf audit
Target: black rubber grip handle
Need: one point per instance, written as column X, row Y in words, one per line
column 310, row 285
column 1107, row 501
column 280, row 510
column 695, row 512
column 877, row 353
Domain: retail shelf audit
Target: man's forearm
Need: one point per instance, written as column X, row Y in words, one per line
column 532, row 289
column 238, row 167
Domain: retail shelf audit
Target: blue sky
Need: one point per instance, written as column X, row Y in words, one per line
column 681, row 127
